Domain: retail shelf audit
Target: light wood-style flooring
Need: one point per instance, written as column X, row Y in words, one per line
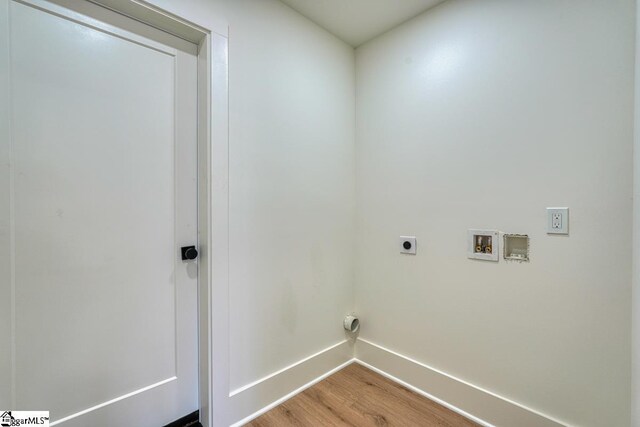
column 357, row 396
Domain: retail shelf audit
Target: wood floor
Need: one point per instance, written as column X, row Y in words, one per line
column 357, row 396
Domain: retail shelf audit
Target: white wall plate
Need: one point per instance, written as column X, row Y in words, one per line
column 483, row 244
column 557, row 220
column 408, row 245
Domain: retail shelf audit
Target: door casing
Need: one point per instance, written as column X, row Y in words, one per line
column 205, row 39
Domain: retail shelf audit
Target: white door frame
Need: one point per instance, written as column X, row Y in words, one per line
column 212, row 122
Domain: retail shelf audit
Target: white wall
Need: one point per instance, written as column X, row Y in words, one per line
column 458, row 112
column 480, row 115
column 291, row 192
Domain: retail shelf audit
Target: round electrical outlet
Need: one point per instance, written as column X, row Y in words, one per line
column 407, row 245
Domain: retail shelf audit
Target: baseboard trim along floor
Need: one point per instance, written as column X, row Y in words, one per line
column 358, row 396
column 425, row 394
column 290, row 395
column 481, row 406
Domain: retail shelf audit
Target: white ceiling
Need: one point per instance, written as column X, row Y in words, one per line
column 357, row 21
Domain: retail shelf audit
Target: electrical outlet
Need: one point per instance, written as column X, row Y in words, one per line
column 558, row 220
column 408, row 245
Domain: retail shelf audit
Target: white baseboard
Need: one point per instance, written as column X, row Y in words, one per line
column 251, row 401
column 482, row 406
column 425, row 394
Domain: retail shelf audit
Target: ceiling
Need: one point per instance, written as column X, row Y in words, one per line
column 357, row 21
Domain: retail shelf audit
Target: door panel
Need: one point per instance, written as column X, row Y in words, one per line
column 104, row 185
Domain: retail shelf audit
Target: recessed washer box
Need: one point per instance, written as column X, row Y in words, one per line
column 516, row 247
column 483, row 244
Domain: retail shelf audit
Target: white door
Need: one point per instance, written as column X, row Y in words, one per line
column 98, row 193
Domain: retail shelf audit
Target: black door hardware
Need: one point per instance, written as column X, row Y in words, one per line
column 189, row 253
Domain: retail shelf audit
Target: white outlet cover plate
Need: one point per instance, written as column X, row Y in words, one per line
column 472, row 236
column 414, row 245
column 557, row 220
